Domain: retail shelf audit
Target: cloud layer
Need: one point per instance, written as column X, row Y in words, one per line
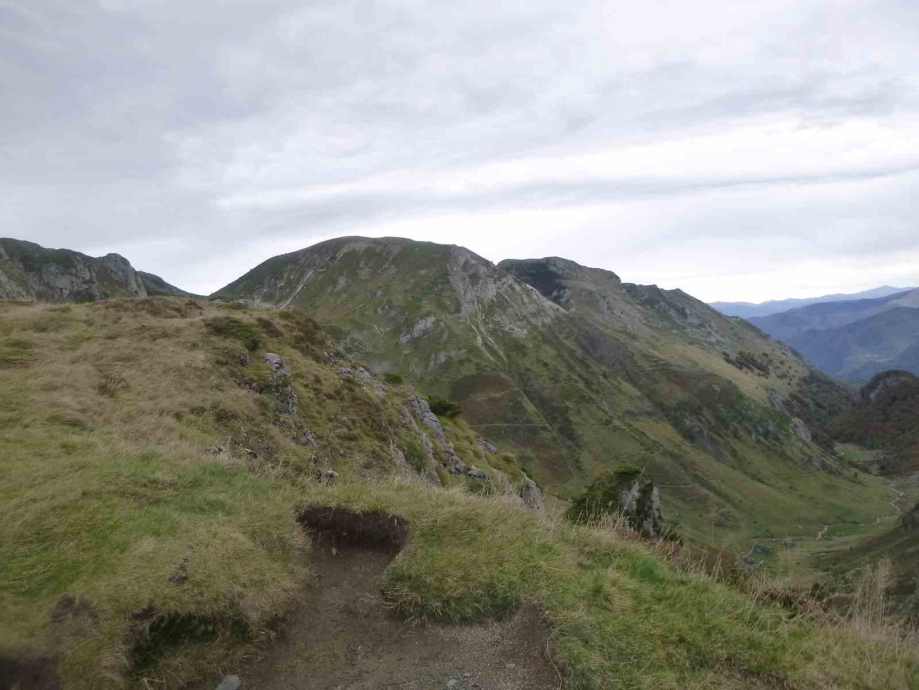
column 739, row 151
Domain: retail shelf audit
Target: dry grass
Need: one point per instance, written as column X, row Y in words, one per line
column 178, row 561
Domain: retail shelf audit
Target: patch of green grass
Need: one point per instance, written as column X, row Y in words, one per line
column 17, row 353
column 228, row 327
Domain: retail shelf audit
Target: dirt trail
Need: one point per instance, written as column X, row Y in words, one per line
column 896, row 500
column 342, row 638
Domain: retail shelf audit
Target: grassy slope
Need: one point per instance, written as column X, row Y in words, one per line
column 107, row 495
column 625, row 377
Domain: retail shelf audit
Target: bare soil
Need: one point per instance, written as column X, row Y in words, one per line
column 343, row 638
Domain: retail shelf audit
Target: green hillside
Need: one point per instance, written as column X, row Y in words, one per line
column 576, row 372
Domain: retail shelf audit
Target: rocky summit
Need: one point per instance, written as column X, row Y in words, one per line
column 29, row 272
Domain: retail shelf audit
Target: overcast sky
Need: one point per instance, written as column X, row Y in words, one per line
column 738, row 150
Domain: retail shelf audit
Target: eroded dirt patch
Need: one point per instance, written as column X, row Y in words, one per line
column 337, row 526
column 344, row 638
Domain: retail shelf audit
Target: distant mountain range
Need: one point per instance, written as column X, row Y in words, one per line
column 853, row 339
column 749, row 310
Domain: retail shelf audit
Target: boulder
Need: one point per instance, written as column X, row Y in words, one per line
column 531, row 495
column 474, row 472
column 486, row 446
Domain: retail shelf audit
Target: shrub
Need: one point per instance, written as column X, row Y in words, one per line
column 443, row 407
column 393, row 379
column 414, row 455
column 229, row 327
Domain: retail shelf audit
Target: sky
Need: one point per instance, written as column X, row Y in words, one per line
column 740, row 151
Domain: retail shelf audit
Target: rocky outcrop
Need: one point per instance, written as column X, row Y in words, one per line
column 286, row 400
column 801, row 430
column 627, row 492
column 531, row 495
column 30, row 272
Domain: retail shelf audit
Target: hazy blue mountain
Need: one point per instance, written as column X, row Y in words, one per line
column 859, row 350
column 821, row 317
column 748, row 310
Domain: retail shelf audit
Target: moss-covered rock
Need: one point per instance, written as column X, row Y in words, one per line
column 626, row 491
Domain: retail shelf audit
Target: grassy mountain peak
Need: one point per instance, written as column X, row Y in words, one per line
column 577, row 372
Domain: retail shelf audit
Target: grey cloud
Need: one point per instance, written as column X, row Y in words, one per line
column 131, row 120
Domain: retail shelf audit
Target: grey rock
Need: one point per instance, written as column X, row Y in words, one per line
column 486, row 446
column 244, row 358
column 776, row 400
column 640, row 504
column 308, row 438
column 229, row 683
column 423, row 414
column 418, row 329
column 761, row 548
column 214, row 450
column 367, row 379
column 531, row 494
column 800, row 430
column 474, row 472
column 274, row 361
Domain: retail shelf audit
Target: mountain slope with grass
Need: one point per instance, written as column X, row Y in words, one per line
column 159, row 455
column 576, row 373
column 887, row 419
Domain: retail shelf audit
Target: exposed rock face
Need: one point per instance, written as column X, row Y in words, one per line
column 418, row 329
column 627, row 492
column 776, row 399
column 640, row 503
column 367, row 379
column 531, row 495
column 801, row 431
column 422, row 411
column 30, row 272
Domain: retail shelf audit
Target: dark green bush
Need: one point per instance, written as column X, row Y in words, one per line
column 443, row 407
column 392, row 379
column 229, row 327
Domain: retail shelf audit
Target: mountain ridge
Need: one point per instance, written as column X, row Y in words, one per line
column 30, row 272
column 598, row 367
column 761, row 309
